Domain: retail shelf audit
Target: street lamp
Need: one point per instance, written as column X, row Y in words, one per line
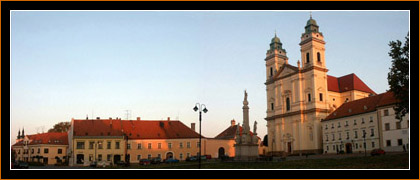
column 364, row 140
column 205, row 111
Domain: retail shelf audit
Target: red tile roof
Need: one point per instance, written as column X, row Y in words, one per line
column 363, row 105
column 54, row 138
column 347, row 83
column 134, row 129
column 230, row 133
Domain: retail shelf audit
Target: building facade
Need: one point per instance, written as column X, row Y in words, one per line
column 46, row 148
column 299, row 97
column 365, row 124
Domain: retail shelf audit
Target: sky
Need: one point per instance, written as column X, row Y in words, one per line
column 159, row 64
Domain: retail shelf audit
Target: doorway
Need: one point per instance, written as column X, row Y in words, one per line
column 289, row 147
column 169, row 155
column 117, row 158
column 221, row 152
column 80, row 158
column 349, row 148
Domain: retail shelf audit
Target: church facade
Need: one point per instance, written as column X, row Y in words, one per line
column 299, row 97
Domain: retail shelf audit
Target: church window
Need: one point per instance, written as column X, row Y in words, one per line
column 307, row 57
column 287, row 104
column 318, row 56
column 320, row 96
column 272, row 106
column 309, row 97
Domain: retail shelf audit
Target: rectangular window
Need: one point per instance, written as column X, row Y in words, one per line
column 45, row 150
column 371, row 119
column 117, row 145
column 287, row 104
column 169, row 145
column 181, row 145
column 108, row 145
column 333, row 138
column 181, row 156
column 387, row 127
column 91, row 144
column 386, row 112
column 400, row 142
column 326, row 137
column 159, row 156
column 188, row 145
column 39, row 150
column 328, row 148
column 99, row 157
column 139, row 146
column 198, row 144
column 339, row 136
column 128, row 145
column 348, row 135
column 149, row 156
column 32, row 151
column 138, row 157
column 357, row 146
column 388, row 143
column 339, row 125
column 398, row 125
column 372, row 132
column 90, row 157
column 100, row 145
column 309, row 97
column 108, row 157
column 333, row 148
column 149, row 146
column 188, row 155
column 364, row 133
column 347, row 123
column 355, row 134
column 373, row 144
column 272, row 106
column 80, row 145
column 332, row 126
column 320, row 96
column 159, row 145
column 60, row 151
column 363, row 120
column 355, row 122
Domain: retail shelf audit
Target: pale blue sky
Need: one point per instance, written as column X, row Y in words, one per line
column 158, row 64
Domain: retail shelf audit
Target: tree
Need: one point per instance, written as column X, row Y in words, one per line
column 398, row 77
column 60, row 127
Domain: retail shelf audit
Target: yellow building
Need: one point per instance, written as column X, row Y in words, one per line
column 100, row 140
column 47, row 148
column 299, row 97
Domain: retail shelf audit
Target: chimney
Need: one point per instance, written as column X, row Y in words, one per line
column 169, row 118
column 98, row 118
column 110, row 118
column 138, row 119
column 193, row 126
column 232, row 122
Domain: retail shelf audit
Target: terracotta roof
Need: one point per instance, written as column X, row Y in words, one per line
column 347, row 83
column 53, row 138
column 134, row 129
column 363, row 105
column 230, row 133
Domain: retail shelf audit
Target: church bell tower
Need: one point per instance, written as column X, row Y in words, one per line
column 275, row 57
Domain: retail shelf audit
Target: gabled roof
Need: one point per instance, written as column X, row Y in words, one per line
column 134, row 129
column 52, row 138
column 364, row 105
column 286, row 66
column 230, row 133
column 347, row 83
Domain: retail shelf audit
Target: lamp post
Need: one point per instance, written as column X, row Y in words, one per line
column 364, row 141
column 199, row 117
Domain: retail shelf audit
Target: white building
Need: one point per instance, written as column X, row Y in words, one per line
column 367, row 123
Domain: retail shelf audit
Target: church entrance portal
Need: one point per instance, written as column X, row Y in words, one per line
column 289, row 147
column 348, row 148
column 221, row 152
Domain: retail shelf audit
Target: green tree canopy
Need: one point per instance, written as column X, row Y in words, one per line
column 60, row 127
column 398, row 77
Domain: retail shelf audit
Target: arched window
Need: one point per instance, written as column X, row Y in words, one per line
column 318, row 56
column 287, row 104
column 307, row 57
column 309, row 97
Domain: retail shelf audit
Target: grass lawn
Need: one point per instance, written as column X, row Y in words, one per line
column 397, row 161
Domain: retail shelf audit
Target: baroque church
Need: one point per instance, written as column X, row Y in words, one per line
column 299, row 97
